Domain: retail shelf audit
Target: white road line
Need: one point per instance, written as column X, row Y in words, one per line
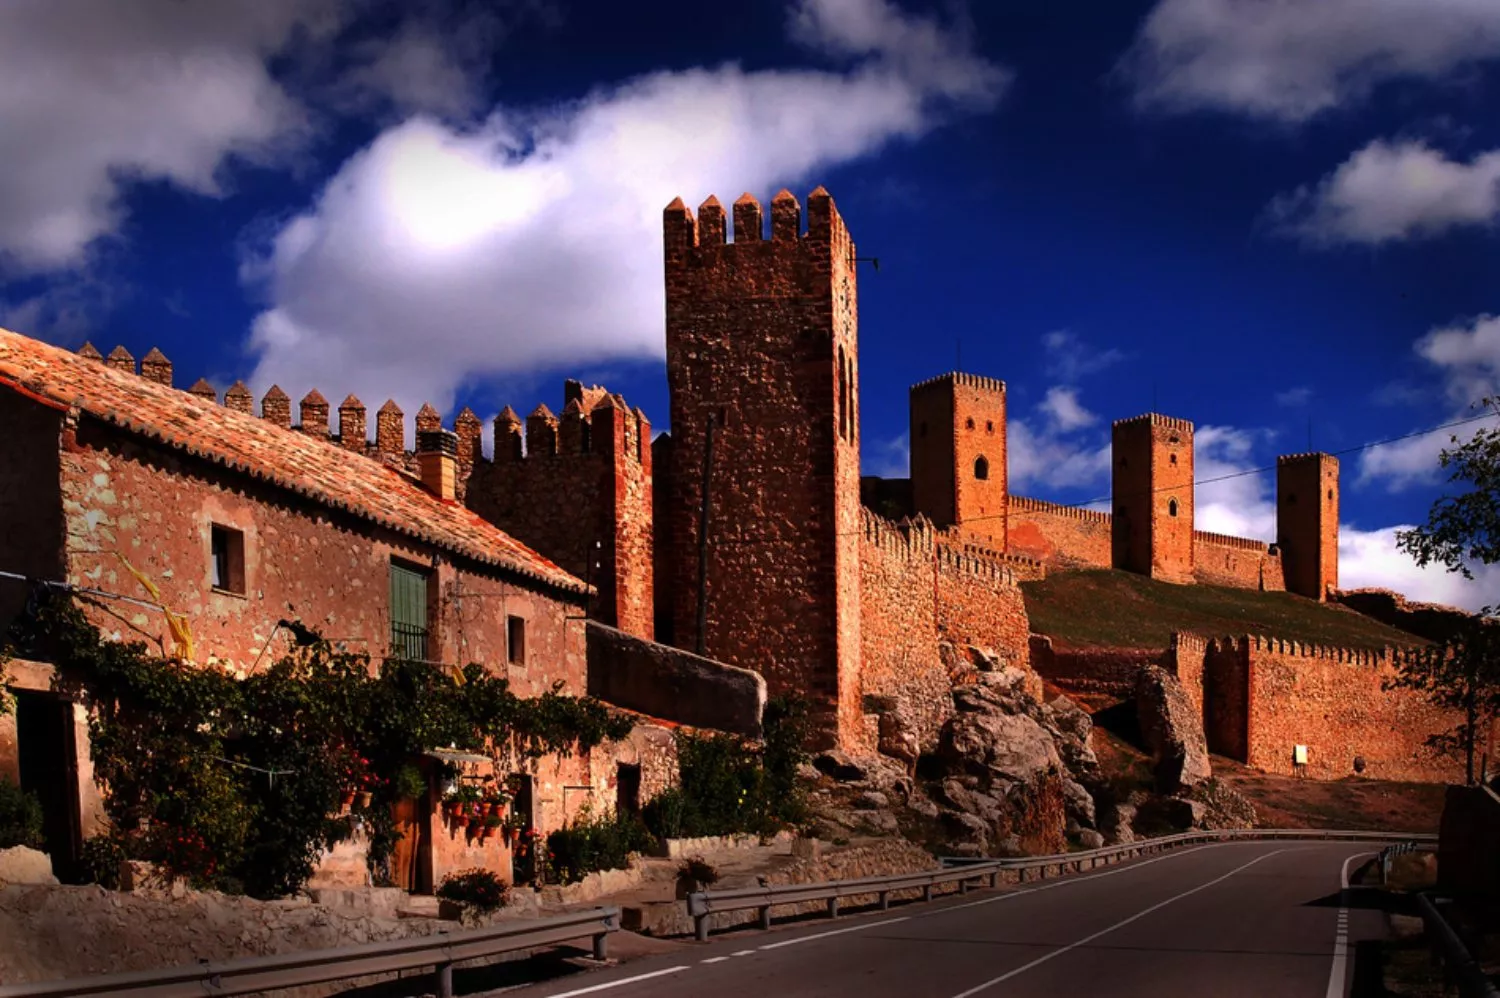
column 620, row 983
column 1341, row 938
column 834, row 932
column 744, row 952
column 714, row 959
column 1118, row 925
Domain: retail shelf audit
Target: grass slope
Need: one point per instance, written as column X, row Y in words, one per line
column 1112, row 609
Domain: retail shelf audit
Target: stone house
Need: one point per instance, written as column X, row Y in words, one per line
column 110, row 480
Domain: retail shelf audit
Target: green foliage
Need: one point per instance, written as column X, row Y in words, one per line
column 1463, row 674
column 100, row 861
column 409, row 783
column 1463, row 529
column 477, row 889
column 728, row 786
column 589, row 844
column 699, row 871
column 235, row 782
column 20, row 817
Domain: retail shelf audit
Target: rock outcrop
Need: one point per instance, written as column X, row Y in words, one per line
column 21, row 865
column 1172, row 730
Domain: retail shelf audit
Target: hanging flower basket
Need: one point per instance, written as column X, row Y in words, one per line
column 485, row 807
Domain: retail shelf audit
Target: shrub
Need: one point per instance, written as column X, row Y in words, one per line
column 478, row 890
column 100, row 861
column 729, row 786
column 20, row 817
column 589, row 844
column 698, row 870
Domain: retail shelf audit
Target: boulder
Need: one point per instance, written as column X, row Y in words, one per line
column 872, row 800
column 1079, row 803
column 992, row 742
column 1090, row 839
column 1074, row 729
column 1172, row 729
column 23, row 865
column 898, row 739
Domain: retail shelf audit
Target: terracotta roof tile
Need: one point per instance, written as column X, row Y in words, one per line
column 308, row 466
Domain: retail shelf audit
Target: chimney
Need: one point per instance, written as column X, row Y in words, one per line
column 437, row 461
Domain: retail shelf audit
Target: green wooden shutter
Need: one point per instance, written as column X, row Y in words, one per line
column 408, row 613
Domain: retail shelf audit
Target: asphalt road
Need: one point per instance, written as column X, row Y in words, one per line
column 1261, row 919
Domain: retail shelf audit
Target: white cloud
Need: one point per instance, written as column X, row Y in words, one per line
column 1370, row 559
column 1392, row 191
column 1466, row 357
column 438, row 255
column 1240, row 506
column 94, row 94
column 1063, row 409
column 1288, row 60
column 1068, row 358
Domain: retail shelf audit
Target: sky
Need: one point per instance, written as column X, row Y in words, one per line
column 1275, row 218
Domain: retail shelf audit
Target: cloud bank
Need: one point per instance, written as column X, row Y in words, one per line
column 439, row 254
column 1290, row 60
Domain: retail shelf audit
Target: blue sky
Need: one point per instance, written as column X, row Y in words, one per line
column 1276, row 218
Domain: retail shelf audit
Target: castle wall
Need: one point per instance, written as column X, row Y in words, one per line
column 583, row 481
column 1432, row 621
column 762, row 344
column 1239, row 562
column 1267, row 696
column 1059, row 536
column 899, row 657
column 979, row 603
column 1185, row 659
column 1091, row 670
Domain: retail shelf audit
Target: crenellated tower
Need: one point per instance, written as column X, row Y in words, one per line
column 958, row 461
column 1307, row 522
column 1152, row 525
column 762, row 341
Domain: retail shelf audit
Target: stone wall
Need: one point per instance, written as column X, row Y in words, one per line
column 1431, row 621
column 1184, row 659
column 129, row 500
column 581, row 481
column 1101, row 670
column 1059, row 536
column 920, row 589
column 672, row 684
column 1239, row 562
column 1264, row 696
column 31, row 524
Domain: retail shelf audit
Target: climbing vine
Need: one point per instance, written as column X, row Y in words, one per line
column 237, row 783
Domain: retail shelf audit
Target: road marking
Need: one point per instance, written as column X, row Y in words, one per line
column 1341, row 937
column 620, row 983
column 1065, row 880
column 835, row 932
column 1118, row 925
column 744, row 952
column 714, row 959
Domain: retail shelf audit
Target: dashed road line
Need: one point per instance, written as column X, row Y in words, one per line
column 620, row 983
column 1340, row 966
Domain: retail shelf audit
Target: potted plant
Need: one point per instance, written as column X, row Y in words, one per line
column 512, row 829
column 490, row 827
column 471, row 892
column 693, row 876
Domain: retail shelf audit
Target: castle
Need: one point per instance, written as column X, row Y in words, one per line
column 748, row 535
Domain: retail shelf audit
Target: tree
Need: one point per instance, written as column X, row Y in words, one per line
column 1462, row 673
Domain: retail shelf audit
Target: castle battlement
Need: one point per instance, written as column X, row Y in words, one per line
column 1249, row 644
column 1156, row 419
column 709, row 227
column 1306, row 456
column 1229, row 541
column 959, row 378
column 1025, row 505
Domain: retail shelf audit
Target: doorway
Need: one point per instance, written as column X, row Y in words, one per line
column 627, row 789
column 47, row 753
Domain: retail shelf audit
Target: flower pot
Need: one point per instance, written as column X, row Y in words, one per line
column 348, row 800
column 485, row 808
column 364, row 798
column 500, row 809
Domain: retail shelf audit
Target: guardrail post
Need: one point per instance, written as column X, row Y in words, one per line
column 601, row 947
column 765, row 917
column 963, row 887
column 700, row 927
column 833, row 907
column 445, row 980
column 926, row 892
column 885, row 900
column 994, row 879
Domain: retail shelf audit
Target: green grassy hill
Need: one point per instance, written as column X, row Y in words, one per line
column 1122, row 610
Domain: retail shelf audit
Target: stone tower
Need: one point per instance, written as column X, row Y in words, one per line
column 1307, row 522
column 1152, row 526
column 958, row 462
column 762, row 338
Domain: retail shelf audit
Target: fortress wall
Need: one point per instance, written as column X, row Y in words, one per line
column 899, row 659
column 1265, row 696
column 1059, row 536
column 1185, row 660
column 1103, row 670
column 979, row 603
column 1221, row 560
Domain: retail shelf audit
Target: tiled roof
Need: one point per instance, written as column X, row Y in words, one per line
column 317, row 469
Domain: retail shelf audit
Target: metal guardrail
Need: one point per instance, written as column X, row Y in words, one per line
column 1459, row 965
column 288, row 970
column 1390, row 852
column 966, row 872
